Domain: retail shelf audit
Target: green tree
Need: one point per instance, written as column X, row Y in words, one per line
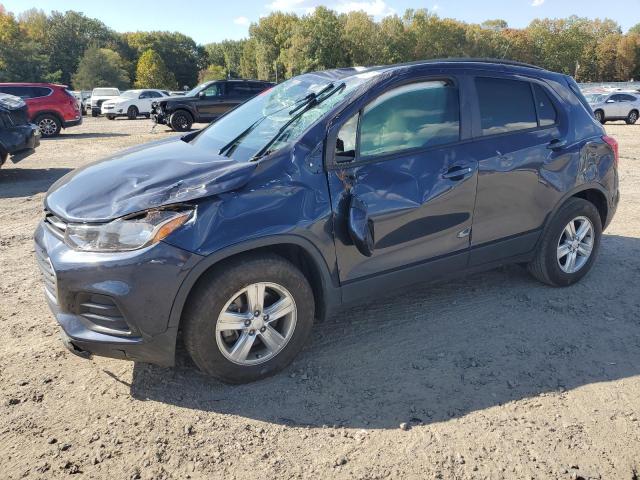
column 153, row 73
column 212, row 72
column 248, row 60
column 361, row 38
column 272, row 36
column 20, row 58
column 227, row 54
column 100, row 67
column 496, row 24
column 180, row 53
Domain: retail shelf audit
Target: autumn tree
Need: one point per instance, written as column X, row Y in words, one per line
column 152, row 72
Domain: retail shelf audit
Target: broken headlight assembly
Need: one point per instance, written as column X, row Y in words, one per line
column 127, row 233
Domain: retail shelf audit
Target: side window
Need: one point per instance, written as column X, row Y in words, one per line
column 213, row 90
column 154, row 94
column 546, row 111
column 615, row 98
column 22, row 92
column 145, row 94
column 505, row 105
column 40, row 92
column 629, row 98
column 418, row 115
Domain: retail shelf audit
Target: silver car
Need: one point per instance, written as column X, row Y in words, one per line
column 615, row 106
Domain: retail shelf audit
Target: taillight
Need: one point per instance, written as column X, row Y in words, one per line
column 613, row 143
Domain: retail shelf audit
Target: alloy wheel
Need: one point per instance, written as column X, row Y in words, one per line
column 47, row 126
column 633, row 117
column 575, row 244
column 256, row 323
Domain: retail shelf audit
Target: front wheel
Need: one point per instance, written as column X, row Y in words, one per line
column 250, row 319
column 181, row 121
column 569, row 245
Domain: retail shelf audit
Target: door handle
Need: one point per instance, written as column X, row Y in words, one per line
column 557, row 144
column 457, row 173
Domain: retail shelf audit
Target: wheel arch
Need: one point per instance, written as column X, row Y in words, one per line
column 299, row 251
column 592, row 192
column 48, row 112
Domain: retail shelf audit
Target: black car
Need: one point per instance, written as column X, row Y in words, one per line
column 18, row 137
column 331, row 188
column 206, row 102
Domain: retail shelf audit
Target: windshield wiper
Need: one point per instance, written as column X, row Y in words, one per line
column 231, row 146
column 313, row 101
column 311, row 98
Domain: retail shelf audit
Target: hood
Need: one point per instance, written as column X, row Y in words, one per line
column 10, row 102
column 161, row 173
column 178, row 99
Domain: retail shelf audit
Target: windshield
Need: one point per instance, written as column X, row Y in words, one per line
column 595, row 97
column 277, row 116
column 130, row 94
column 106, row 92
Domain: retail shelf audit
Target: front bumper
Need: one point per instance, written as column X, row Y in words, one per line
column 140, row 286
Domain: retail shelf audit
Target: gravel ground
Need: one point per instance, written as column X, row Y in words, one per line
column 490, row 376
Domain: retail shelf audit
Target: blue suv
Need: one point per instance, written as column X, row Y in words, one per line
column 329, row 188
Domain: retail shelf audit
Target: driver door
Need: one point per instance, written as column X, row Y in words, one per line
column 211, row 101
column 402, row 158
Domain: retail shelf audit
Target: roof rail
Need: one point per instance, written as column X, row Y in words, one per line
column 498, row 61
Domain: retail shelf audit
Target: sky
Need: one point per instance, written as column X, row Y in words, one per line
column 214, row 20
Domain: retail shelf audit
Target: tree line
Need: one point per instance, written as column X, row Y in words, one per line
column 74, row 49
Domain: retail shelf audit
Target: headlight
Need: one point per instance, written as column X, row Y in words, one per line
column 127, row 233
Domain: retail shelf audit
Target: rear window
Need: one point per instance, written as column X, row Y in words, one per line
column 40, row 91
column 546, row 111
column 505, row 105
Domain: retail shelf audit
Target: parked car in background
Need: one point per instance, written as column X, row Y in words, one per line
column 615, row 105
column 330, row 188
column 51, row 107
column 18, row 137
column 99, row 96
column 132, row 103
column 206, row 102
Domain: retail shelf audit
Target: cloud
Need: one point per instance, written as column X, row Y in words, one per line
column 435, row 7
column 537, row 3
column 241, row 21
column 375, row 8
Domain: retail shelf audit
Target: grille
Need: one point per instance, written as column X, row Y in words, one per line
column 55, row 224
column 48, row 274
column 102, row 311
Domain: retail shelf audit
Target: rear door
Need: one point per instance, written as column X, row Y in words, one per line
column 518, row 124
column 402, row 156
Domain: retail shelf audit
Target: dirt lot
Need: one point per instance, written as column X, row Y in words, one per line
column 492, row 376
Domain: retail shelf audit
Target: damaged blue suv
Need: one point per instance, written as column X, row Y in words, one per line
column 329, row 188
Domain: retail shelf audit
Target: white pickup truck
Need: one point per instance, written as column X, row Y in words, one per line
column 100, row 95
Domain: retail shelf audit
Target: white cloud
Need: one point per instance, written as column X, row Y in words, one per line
column 241, row 21
column 537, row 3
column 435, row 7
column 375, row 8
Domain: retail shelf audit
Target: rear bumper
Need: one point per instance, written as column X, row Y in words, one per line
column 21, row 141
column 72, row 123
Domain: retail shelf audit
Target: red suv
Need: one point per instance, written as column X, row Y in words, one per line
column 49, row 106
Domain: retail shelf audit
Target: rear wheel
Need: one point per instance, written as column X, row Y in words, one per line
column 49, row 125
column 599, row 114
column 132, row 112
column 250, row 319
column 181, row 121
column 569, row 245
column 632, row 117
column 111, row 117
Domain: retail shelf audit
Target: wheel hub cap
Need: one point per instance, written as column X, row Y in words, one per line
column 256, row 323
column 575, row 244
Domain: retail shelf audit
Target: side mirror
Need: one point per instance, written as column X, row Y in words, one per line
column 201, row 94
column 360, row 226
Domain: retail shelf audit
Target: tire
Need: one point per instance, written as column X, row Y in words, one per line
column 111, row 117
column 547, row 266
column 632, row 117
column 49, row 125
column 132, row 112
column 147, row 116
column 181, row 121
column 94, row 113
column 4, row 155
column 205, row 337
column 599, row 114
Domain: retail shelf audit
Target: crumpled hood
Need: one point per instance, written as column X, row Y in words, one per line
column 143, row 177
